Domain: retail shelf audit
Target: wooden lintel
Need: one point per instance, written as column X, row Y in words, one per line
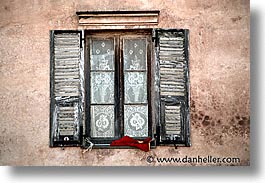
column 117, row 19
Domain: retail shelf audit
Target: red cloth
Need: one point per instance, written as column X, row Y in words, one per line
column 128, row 141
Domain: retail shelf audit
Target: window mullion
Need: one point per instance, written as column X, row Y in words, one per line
column 118, row 89
column 121, row 86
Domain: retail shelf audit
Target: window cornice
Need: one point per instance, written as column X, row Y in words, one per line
column 117, row 19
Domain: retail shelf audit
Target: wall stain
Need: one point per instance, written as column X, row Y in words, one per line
column 7, row 8
column 235, row 19
column 101, row 154
column 215, row 128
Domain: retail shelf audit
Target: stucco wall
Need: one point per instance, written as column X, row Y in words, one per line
column 219, row 75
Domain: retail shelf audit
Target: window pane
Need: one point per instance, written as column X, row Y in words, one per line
column 102, row 121
column 136, row 121
column 134, row 54
column 102, row 87
column 102, row 57
column 135, row 87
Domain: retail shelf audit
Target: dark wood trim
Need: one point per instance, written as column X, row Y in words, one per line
column 117, row 12
column 117, row 86
column 52, row 103
column 87, row 87
column 149, row 81
column 187, row 110
column 114, row 32
column 121, row 88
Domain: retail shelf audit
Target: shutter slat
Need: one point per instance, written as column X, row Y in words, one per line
column 167, row 86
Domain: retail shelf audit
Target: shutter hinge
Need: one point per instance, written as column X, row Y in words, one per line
column 155, row 37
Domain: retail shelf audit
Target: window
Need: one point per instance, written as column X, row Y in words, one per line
column 118, row 96
column 107, row 84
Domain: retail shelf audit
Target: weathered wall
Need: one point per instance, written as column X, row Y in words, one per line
column 219, row 74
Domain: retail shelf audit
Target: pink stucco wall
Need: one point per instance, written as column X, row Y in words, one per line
column 219, row 76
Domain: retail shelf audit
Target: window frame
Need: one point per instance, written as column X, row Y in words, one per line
column 156, row 107
column 118, row 36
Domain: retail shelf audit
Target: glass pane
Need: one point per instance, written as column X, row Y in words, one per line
column 136, row 121
column 102, row 87
column 102, row 57
column 102, row 121
column 135, row 87
column 134, row 54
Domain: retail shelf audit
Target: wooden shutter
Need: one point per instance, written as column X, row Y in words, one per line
column 172, row 80
column 66, row 88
